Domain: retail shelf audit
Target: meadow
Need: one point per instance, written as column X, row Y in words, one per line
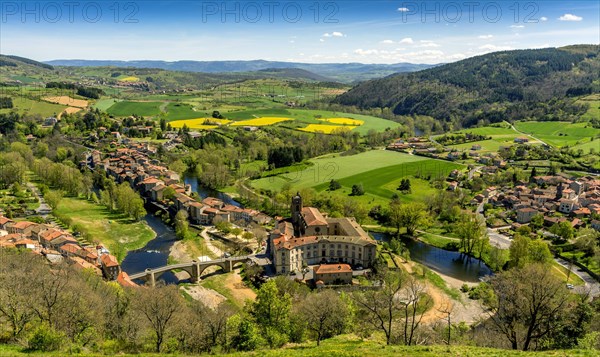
column 325, row 168
column 127, row 108
column 199, row 123
column 66, row 100
column 594, row 102
column 559, row 134
column 28, row 106
column 118, row 233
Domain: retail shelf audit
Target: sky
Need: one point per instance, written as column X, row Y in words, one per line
column 374, row 31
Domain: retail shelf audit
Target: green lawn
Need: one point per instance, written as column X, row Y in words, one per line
column 336, row 167
column 127, row 108
column 594, row 102
column 117, row 233
column 588, row 146
column 559, row 133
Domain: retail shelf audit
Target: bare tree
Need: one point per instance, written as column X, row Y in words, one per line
column 381, row 308
column 415, row 302
column 159, row 306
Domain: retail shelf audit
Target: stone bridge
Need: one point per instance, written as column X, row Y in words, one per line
column 194, row 268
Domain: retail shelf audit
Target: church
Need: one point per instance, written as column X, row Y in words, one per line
column 311, row 238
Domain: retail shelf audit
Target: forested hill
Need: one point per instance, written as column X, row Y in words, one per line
column 498, row 86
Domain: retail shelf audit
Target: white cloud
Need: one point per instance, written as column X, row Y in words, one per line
column 491, row 48
column 485, row 37
column 428, row 43
column 543, row 18
column 570, row 17
column 362, row 52
column 292, row 41
column 406, row 40
column 387, row 42
column 321, row 40
column 333, row 34
column 403, row 9
column 517, row 26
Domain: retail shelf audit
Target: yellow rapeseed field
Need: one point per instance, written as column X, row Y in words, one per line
column 326, row 129
column 344, row 121
column 129, row 79
column 199, row 123
column 260, row 121
column 66, row 100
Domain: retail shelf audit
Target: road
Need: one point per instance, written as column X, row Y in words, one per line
column 43, row 210
column 591, row 284
column 520, row 132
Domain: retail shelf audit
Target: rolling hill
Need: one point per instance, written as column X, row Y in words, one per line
column 508, row 85
column 342, row 72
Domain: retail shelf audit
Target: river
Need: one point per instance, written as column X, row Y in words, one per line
column 156, row 252
column 443, row 261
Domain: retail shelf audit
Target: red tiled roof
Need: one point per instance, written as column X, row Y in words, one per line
column 332, row 269
column 313, row 217
column 4, row 220
column 109, row 261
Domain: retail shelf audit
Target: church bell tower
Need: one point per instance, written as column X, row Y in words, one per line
column 296, row 210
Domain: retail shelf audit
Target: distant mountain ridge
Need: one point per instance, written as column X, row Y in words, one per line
column 343, row 72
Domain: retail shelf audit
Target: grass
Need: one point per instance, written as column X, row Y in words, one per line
column 594, row 102
column 348, row 345
column 326, row 129
column 119, row 234
column 559, row 134
column 263, row 121
column 178, row 111
column 561, row 272
column 127, row 108
column 328, row 167
column 588, row 146
column 104, row 103
column 29, row 106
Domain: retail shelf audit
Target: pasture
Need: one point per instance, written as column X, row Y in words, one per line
column 559, row 134
column 127, row 108
column 328, row 167
column 28, row 106
column 594, row 102
column 104, row 103
column 179, row 111
column 326, row 129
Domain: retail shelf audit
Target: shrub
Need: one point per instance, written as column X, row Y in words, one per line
column 45, row 339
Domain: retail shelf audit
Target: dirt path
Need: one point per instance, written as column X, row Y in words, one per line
column 208, row 297
column 240, row 291
column 179, row 252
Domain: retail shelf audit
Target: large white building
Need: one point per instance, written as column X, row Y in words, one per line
column 310, row 238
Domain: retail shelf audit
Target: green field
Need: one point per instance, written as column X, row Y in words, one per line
column 127, row 108
column 329, row 167
column 178, row 111
column 594, row 102
column 588, row 146
column 105, row 103
column 117, row 233
column 382, row 182
column 559, row 133
column 29, row 106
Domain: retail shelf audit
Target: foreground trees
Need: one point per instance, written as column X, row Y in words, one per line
column 530, row 305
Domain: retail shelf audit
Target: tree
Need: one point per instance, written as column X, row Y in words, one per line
column 357, row 190
column 563, row 229
column 530, row 304
column 159, row 306
column 271, row 312
column 519, row 251
column 587, row 241
column 408, row 215
column 181, row 224
column 381, row 308
column 325, row 314
column 472, row 233
column 334, row 185
column 53, row 198
column 404, row 186
column 537, row 221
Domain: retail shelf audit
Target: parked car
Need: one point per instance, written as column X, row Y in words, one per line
column 570, row 286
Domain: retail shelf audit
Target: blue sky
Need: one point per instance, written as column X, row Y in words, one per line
column 306, row 31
